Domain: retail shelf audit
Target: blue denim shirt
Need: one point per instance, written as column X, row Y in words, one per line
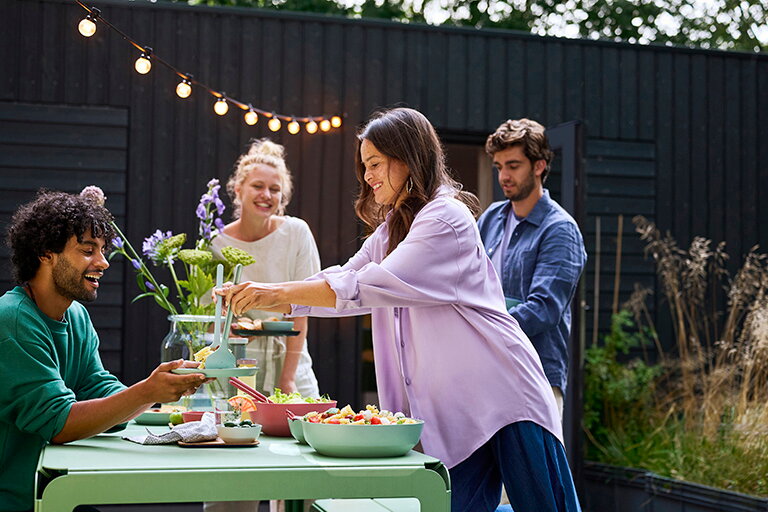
column 541, row 268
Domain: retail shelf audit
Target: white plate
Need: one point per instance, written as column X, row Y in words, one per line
column 218, row 372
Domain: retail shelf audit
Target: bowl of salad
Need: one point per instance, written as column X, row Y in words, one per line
column 366, row 433
column 274, row 418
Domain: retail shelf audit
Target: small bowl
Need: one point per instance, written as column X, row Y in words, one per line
column 362, row 440
column 153, row 417
column 274, row 420
column 277, row 326
column 296, row 425
column 239, row 435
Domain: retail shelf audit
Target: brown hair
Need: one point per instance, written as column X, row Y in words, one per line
column 406, row 135
column 521, row 132
column 265, row 152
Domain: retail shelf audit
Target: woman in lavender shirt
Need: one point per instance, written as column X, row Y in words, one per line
column 440, row 325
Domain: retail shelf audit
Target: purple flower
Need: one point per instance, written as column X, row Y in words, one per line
column 219, row 224
column 201, row 212
column 219, row 205
column 150, row 286
column 149, row 248
column 213, row 183
column 205, row 199
column 136, row 264
column 118, row 243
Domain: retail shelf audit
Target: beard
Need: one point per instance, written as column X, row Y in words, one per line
column 524, row 188
column 69, row 283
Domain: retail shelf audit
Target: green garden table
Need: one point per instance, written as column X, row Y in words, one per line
column 106, row 469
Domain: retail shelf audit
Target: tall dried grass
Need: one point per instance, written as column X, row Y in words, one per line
column 717, row 379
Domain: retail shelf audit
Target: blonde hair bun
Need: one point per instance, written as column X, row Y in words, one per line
column 266, row 147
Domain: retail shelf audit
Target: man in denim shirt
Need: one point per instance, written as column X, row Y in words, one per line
column 535, row 246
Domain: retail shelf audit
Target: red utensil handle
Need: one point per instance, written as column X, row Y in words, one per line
column 242, row 386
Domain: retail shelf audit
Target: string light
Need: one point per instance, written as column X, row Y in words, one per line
column 184, row 89
column 251, row 118
column 143, row 64
column 274, row 123
column 221, row 107
column 87, row 27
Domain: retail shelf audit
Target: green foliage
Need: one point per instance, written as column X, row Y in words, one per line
column 723, row 24
column 618, row 396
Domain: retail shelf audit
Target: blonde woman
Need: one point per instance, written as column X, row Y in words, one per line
column 284, row 249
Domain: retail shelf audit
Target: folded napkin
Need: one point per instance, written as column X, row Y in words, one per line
column 192, row 432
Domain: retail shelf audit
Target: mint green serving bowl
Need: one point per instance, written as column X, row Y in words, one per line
column 362, row 440
column 297, row 430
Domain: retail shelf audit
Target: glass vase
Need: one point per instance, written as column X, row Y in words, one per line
column 188, row 335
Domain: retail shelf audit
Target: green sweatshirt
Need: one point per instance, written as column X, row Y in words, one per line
column 45, row 367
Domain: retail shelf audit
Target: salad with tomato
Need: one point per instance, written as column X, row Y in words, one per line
column 371, row 415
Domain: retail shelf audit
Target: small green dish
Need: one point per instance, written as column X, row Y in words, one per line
column 297, row 430
column 277, row 326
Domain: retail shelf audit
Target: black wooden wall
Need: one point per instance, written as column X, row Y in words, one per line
column 676, row 134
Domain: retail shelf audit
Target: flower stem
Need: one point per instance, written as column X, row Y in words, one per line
column 144, row 270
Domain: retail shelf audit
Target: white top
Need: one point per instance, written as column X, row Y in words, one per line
column 287, row 254
column 498, row 257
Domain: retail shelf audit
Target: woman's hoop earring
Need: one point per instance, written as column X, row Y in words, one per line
column 409, row 185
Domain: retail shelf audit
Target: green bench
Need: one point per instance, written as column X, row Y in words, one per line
column 368, row 505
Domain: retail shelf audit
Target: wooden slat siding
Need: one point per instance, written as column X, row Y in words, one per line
column 75, row 55
column 748, row 198
column 593, row 105
column 573, row 83
column 394, row 42
column 118, row 83
column 9, row 53
column 97, row 56
column 496, row 84
column 28, row 46
column 620, row 180
column 762, row 109
column 50, row 67
column 416, row 86
column 456, row 82
column 375, row 69
column 553, row 86
column 716, row 171
column 646, row 95
column 516, row 69
column 611, row 93
column 21, row 182
column 681, row 181
column 698, row 144
column 628, row 100
column 437, row 70
column 478, row 69
column 535, row 92
column 733, row 179
column 310, row 147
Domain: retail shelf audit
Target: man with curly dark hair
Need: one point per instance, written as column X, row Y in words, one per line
column 54, row 387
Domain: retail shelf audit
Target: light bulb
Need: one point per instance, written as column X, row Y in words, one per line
column 335, row 121
column 325, row 125
column 311, row 127
column 184, row 89
column 87, row 27
column 221, row 106
column 143, row 65
column 274, row 124
column 251, row 118
column 293, row 127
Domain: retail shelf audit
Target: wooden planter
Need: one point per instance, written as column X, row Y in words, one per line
column 617, row 489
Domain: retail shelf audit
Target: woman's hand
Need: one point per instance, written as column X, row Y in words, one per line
column 251, row 295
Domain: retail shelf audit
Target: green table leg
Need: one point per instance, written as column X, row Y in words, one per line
column 294, row 505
